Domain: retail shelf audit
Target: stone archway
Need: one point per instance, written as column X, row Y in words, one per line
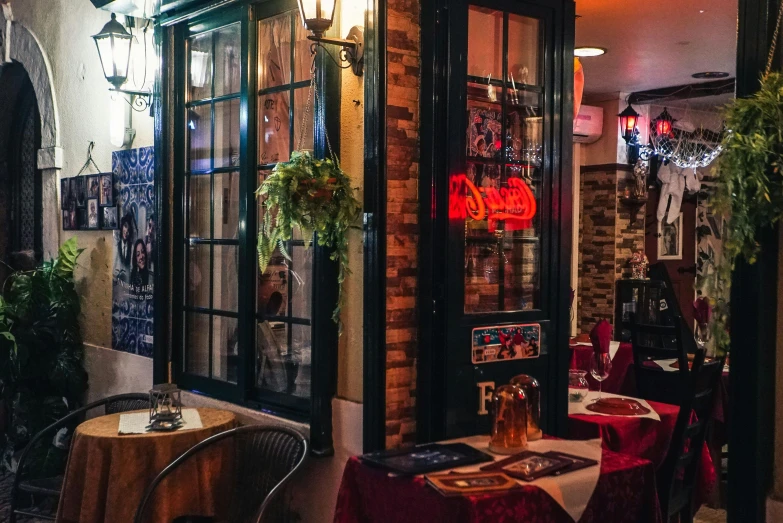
column 18, row 44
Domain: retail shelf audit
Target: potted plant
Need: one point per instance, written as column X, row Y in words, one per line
column 42, row 376
column 314, row 196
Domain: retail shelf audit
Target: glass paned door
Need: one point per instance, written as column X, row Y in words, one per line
column 284, row 290
column 212, row 204
column 499, row 196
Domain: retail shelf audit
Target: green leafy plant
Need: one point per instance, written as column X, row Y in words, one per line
column 750, row 183
column 314, row 196
column 42, row 376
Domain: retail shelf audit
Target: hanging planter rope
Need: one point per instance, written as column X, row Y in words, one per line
column 750, row 181
column 312, row 195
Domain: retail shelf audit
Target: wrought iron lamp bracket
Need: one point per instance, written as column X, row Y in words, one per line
column 352, row 52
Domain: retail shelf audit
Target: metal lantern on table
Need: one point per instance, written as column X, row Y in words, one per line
column 532, row 390
column 165, row 404
column 509, row 420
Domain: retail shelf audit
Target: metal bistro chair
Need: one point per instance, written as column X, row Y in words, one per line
column 265, row 460
column 678, row 474
column 660, row 342
column 27, row 484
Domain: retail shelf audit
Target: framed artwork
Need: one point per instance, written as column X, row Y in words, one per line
column 69, row 220
column 93, row 214
column 107, row 190
column 65, row 193
column 109, row 218
column 670, row 239
column 484, row 130
column 93, row 186
column 506, row 342
column 79, row 191
column 81, row 217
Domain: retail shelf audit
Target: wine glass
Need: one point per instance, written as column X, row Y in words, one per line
column 600, row 367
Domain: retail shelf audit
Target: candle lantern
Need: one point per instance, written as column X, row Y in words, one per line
column 532, row 391
column 165, row 405
column 509, row 420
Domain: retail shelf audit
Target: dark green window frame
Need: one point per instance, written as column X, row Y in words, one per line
column 315, row 410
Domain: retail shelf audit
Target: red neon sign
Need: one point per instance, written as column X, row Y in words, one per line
column 514, row 204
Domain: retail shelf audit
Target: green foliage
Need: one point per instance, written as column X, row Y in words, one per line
column 314, row 196
column 41, row 372
column 750, row 184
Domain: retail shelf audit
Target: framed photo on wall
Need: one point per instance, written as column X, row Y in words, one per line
column 65, row 193
column 70, row 222
column 93, row 214
column 670, row 239
column 109, row 218
column 93, row 186
column 79, row 191
column 107, row 190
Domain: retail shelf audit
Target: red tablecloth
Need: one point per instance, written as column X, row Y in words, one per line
column 620, row 380
column 641, row 437
column 625, row 492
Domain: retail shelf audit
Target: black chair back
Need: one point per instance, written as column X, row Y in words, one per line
column 660, row 342
column 31, row 484
column 678, row 474
column 265, row 460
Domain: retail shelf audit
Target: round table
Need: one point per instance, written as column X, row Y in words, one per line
column 107, row 473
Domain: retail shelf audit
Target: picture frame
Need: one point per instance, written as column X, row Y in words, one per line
column 79, row 191
column 93, row 215
column 505, row 343
column 670, row 239
column 65, row 193
column 69, row 220
column 109, row 218
column 81, row 217
column 93, row 186
column 106, row 190
column 429, row 457
column 528, row 465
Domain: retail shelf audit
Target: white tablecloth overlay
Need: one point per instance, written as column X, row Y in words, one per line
column 666, row 365
column 137, row 422
column 571, row 491
column 613, row 346
column 580, row 408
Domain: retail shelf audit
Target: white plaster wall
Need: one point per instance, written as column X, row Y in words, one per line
column 63, row 29
column 350, row 365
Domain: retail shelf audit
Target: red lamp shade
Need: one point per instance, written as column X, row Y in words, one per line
column 664, row 123
column 628, row 122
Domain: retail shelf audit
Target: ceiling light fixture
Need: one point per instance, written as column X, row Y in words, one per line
column 710, row 75
column 585, row 52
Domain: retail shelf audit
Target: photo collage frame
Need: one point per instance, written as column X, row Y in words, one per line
column 88, row 203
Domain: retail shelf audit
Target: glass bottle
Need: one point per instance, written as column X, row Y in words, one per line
column 532, row 391
column 509, row 420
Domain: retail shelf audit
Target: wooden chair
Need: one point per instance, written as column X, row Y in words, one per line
column 677, row 475
column 43, row 493
column 660, row 342
column 265, row 459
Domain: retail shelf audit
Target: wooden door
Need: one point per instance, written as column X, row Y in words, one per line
column 682, row 271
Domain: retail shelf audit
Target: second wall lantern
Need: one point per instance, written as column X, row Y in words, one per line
column 318, row 17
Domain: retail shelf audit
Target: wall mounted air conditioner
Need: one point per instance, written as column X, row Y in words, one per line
column 589, row 124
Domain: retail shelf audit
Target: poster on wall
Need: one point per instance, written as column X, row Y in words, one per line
column 508, row 342
column 134, row 249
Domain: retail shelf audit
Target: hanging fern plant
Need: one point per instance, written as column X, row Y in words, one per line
column 750, row 182
column 314, row 196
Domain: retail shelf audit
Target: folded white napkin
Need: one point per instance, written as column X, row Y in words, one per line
column 581, row 408
column 137, row 422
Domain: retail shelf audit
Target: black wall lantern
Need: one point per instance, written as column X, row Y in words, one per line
column 114, row 44
column 317, row 17
column 629, row 120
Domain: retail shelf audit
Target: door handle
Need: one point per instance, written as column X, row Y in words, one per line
column 691, row 269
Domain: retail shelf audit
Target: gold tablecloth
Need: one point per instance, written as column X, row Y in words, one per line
column 107, row 473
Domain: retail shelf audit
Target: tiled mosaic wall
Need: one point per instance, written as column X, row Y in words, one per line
column 607, row 238
column 402, row 168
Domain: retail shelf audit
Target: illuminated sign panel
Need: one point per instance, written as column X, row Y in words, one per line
column 514, row 204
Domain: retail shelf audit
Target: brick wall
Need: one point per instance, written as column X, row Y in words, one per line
column 402, row 168
column 607, row 238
